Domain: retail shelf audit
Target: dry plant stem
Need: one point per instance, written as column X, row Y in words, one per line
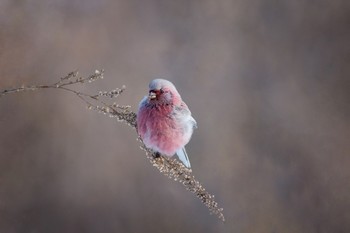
column 169, row 167
column 177, row 171
column 71, row 79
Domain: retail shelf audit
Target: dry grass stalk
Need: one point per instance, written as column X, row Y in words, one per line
column 167, row 166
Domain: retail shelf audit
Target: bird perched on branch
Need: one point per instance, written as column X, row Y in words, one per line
column 164, row 121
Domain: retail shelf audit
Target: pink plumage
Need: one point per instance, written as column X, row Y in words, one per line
column 164, row 121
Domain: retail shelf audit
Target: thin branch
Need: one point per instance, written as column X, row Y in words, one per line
column 169, row 167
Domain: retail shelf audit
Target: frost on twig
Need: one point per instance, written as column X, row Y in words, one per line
column 168, row 166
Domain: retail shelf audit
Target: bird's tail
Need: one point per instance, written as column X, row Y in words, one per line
column 181, row 153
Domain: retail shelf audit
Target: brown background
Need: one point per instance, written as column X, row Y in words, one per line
column 267, row 81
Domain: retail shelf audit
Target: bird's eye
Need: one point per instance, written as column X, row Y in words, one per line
column 161, row 91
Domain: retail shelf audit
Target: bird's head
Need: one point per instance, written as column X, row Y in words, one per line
column 162, row 91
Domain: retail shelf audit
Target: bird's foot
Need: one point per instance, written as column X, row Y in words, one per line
column 156, row 154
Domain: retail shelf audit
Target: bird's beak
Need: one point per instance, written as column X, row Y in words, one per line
column 152, row 95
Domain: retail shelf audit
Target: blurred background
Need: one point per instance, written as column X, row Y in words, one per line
column 266, row 80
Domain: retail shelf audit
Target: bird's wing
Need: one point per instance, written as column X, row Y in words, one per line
column 184, row 111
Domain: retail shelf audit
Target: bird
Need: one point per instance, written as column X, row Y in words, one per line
column 164, row 122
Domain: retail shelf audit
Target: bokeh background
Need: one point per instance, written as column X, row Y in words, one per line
column 267, row 81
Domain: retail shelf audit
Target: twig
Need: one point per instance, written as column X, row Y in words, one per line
column 169, row 167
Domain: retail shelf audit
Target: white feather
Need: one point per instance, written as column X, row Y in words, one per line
column 181, row 153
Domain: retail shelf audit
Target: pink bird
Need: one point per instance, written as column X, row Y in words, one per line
column 164, row 121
